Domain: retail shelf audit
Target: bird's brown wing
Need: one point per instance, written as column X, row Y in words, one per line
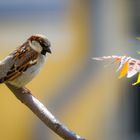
column 23, row 58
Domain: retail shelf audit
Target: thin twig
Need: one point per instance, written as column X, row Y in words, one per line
column 26, row 97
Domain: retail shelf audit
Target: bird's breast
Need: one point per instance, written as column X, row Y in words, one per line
column 30, row 73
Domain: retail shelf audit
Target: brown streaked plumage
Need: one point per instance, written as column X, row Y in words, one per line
column 22, row 65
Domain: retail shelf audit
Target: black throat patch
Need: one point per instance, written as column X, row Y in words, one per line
column 43, row 52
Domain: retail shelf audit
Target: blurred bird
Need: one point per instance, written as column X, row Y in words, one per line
column 128, row 65
column 23, row 64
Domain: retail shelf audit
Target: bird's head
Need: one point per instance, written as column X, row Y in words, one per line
column 40, row 44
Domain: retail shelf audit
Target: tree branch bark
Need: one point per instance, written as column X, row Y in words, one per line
column 26, row 97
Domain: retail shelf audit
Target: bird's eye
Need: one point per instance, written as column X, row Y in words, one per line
column 42, row 44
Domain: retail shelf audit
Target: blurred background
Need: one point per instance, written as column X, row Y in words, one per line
column 84, row 95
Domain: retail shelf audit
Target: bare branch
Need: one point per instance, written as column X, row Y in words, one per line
column 25, row 96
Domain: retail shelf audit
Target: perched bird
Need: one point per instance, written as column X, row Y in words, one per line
column 23, row 64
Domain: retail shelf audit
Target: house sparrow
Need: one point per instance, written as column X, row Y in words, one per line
column 23, row 64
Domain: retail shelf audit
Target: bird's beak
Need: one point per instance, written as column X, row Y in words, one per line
column 49, row 50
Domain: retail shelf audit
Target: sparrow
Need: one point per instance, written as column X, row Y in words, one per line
column 24, row 63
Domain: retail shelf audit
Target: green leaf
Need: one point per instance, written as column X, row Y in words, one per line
column 138, row 80
column 138, row 38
